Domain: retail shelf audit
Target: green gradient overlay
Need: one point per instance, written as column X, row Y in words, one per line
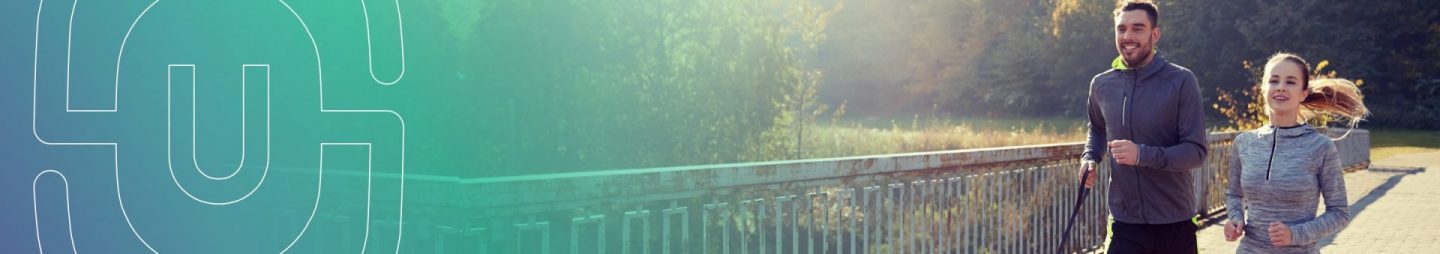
column 311, row 118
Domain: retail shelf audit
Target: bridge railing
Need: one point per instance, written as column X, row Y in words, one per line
column 996, row 200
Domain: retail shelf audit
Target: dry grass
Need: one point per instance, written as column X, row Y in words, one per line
column 836, row 141
column 830, row 140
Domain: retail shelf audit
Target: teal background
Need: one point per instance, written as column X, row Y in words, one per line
column 475, row 89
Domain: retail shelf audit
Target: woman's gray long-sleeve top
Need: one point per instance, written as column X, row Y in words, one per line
column 1280, row 175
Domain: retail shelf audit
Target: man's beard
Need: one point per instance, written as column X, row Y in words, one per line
column 1145, row 52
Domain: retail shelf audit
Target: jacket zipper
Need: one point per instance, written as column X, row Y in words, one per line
column 1274, row 140
column 1125, row 118
column 1125, row 114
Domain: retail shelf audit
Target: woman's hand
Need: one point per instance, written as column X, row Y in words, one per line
column 1233, row 230
column 1279, row 234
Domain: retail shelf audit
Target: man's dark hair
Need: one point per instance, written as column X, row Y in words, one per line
column 1149, row 8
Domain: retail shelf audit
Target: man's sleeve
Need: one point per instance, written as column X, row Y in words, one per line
column 1095, row 137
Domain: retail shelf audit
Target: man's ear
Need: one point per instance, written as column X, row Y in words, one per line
column 1154, row 36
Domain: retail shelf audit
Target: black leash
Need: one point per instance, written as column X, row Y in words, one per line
column 1079, row 200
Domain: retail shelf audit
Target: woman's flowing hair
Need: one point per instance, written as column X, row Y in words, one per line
column 1332, row 97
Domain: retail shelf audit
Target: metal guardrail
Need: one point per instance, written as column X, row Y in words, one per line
column 993, row 200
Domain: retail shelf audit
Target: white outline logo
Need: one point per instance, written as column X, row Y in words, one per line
column 169, row 135
column 115, row 108
column 370, row 53
column 35, row 207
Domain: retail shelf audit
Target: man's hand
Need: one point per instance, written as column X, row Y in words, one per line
column 1279, row 234
column 1088, row 169
column 1234, row 230
column 1124, row 152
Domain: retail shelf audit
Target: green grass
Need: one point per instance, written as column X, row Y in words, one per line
column 1387, row 143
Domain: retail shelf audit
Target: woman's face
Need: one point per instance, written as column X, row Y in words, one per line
column 1283, row 87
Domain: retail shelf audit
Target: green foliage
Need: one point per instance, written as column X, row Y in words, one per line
column 709, row 81
column 1381, row 42
column 1034, row 58
column 796, row 106
column 587, row 85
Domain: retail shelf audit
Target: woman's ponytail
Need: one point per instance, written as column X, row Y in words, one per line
column 1334, row 97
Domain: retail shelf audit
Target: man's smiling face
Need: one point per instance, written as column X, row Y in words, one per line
column 1135, row 36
